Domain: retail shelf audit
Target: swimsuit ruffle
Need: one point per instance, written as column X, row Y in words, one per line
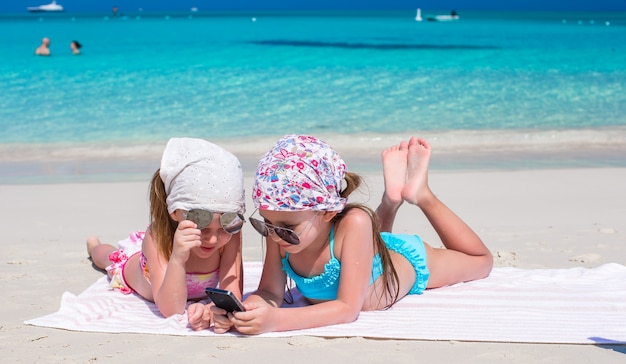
column 118, row 258
column 416, row 255
column 319, row 283
column 116, row 271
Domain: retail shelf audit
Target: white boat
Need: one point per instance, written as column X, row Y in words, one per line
column 418, row 16
column 452, row 17
column 52, row 7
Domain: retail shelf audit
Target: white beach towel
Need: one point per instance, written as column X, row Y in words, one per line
column 576, row 305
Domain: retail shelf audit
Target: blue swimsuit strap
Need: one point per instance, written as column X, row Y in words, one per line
column 332, row 242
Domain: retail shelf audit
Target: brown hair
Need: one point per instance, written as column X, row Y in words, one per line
column 391, row 281
column 162, row 225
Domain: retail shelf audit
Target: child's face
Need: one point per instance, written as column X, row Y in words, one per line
column 213, row 236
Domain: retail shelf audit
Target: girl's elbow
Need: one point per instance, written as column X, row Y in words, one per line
column 168, row 311
column 350, row 315
column 487, row 266
column 353, row 317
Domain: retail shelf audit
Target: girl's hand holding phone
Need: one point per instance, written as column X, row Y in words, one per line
column 221, row 321
column 258, row 318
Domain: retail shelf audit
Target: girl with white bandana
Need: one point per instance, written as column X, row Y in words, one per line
column 335, row 252
column 194, row 239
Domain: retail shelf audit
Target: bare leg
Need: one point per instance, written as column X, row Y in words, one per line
column 466, row 257
column 98, row 252
column 394, row 173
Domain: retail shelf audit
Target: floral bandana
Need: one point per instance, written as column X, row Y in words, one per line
column 299, row 173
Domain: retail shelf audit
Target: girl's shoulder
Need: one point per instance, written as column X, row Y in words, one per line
column 149, row 244
column 352, row 233
column 149, row 234
column 355, row 219
column 357, row 212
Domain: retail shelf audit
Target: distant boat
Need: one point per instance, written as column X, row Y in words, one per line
column 452, row 17
column 418, row 16
column 53, row 6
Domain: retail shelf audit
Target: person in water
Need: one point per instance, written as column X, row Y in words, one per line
column 44, row 47
column 75, row 47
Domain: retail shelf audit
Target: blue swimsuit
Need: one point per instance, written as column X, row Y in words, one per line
column 326, row 285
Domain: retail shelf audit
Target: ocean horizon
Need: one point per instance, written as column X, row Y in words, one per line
column 492, row 90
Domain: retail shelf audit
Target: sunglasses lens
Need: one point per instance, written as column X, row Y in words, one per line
column 287, row 235
column 259, row 226
column 202, row 218
column 231, row 222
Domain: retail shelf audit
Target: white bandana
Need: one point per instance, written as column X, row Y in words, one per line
column 201, row 175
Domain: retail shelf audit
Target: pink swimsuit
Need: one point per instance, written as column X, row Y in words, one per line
column 196, row 282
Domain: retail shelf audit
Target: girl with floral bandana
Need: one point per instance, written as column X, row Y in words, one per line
column 335, row 251
column 194, row 240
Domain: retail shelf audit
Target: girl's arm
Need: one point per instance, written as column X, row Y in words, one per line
column 273, row 281
column 270, row 292
column 200, row 316
column 231, row 267
column 169, row 287
column 353, row 239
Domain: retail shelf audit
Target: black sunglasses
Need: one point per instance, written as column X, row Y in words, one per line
column 231, row 222
column 287, row 235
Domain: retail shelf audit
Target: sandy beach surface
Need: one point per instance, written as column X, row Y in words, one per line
column 530, row 218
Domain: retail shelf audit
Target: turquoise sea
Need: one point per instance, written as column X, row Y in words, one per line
column 502, row 85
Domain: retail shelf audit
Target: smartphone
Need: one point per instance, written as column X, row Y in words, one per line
column 224, row 299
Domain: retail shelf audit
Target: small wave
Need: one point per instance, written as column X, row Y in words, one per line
column 452, row 150
column 457, row 141
column 376, row 46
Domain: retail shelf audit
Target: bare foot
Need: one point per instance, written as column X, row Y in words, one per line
column 92, row 242
column 394, row 172
column 416, row 187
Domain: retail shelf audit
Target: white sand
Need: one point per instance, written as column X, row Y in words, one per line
column 530, row 219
